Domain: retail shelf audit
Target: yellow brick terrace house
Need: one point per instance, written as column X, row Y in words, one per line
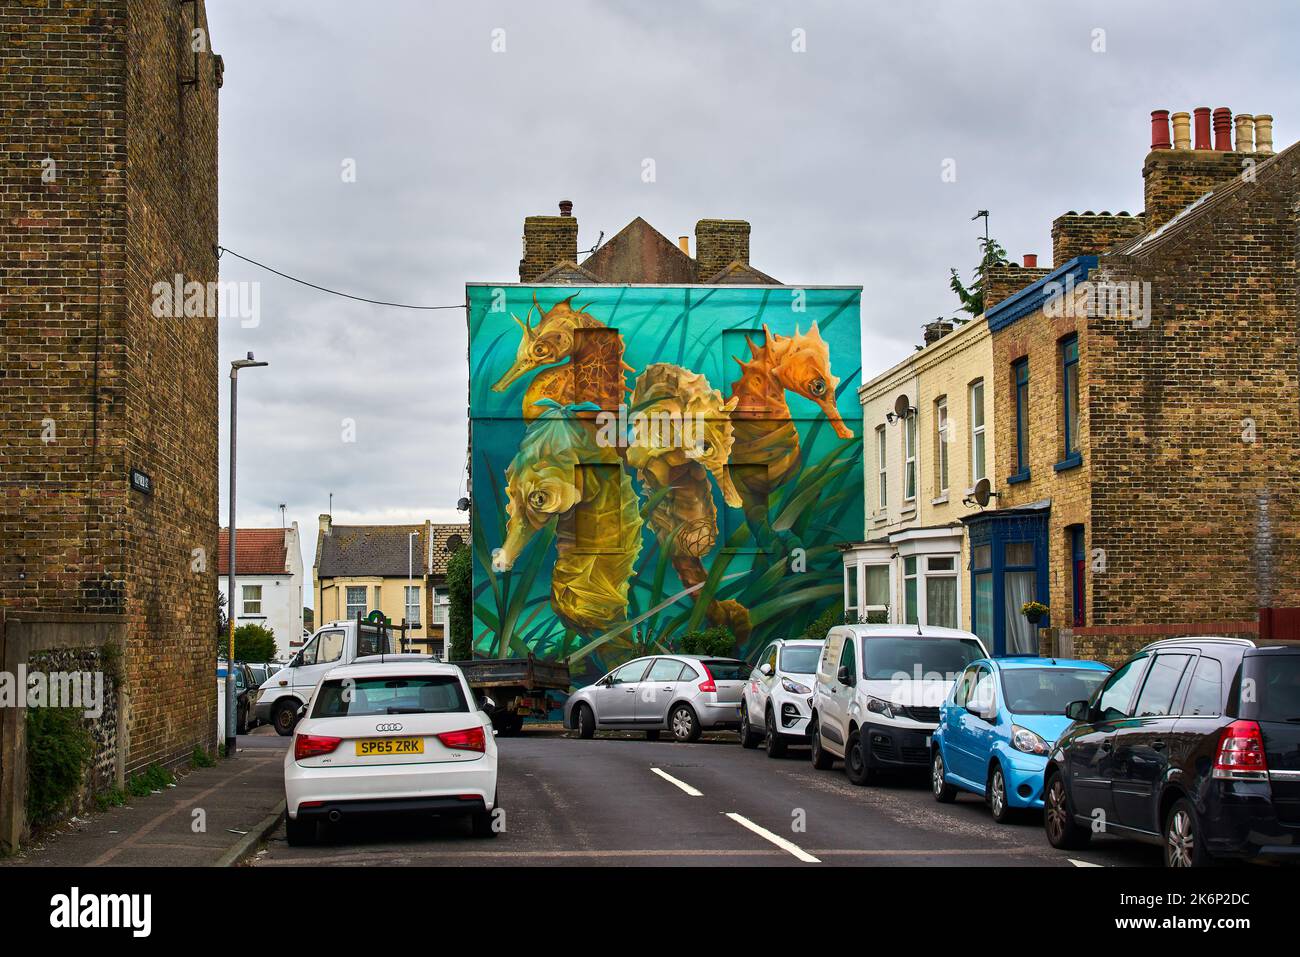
column 921, row 468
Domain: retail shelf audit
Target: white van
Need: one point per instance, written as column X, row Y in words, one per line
column 878, row 689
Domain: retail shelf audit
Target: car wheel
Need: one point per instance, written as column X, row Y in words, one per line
column 772, row 741
column 301, row 832
column 821, row 760
column 1063, row 832
column 856, row 766
column 1184, row 846
column 286, row 717
column 996, row 795
column 943, row 792
column 652, row 734
column 686, row 727
column 586, row 722
column 481, row 821
column 748, row 739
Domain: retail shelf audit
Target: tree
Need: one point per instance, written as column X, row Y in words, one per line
column 253, row 642
column 714, row 642
column 972, row 297
column 460, row 614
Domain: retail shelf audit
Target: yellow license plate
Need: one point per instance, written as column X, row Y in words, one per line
column 369, row 746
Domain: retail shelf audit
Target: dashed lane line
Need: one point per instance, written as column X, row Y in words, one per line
column 789, row 846
column 681, row 784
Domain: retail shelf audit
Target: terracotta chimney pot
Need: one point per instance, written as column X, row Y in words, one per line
column 1223, row 129
column 1182, row 130
column 1160, row 129
column 1202, row 128
column 1263, row 133
column 1031, row 259
column 1245, row 133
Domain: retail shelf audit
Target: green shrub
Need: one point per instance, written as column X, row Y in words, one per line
column 716, row 641
column 113, row 797
column 460, row 596
column 201, row 759
column 59, row 751
column 153, row 778
column 254, row 642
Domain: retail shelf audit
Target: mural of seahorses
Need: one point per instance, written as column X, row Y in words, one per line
column 595, row 376
column 682, row 435
column 547, row 482
column 764, row 433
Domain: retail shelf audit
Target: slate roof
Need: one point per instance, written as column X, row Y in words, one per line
column 258, row 551
column 381, row 550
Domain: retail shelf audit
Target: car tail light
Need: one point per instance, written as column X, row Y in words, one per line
column 708, row 684
column 312, row 745
column 1241, row 752
column 469, row 739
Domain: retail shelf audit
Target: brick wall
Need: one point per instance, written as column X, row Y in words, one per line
column 1007, row 279
column 93, row 384
column 1175, row 178
column 718, row 243
column 1090, row 234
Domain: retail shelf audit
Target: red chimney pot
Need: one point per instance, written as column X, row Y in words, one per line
column 1160, row 130
column 1223, row 129
column 566, row 207
column 1201, row 121
column 1031, row 260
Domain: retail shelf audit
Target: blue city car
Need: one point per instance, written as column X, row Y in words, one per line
column 998, row 724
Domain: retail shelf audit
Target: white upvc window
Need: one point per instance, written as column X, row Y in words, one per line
column 440, row 613
column 356, row 601
column 942, row 434
column 978, row 468
column 412, row 604
column 909, row 457
column 252, row 602
column 882, row 469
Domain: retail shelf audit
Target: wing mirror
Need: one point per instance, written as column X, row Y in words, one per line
column 1077, row 711
column 844, row 676
column 488, row 704
column 765, row 669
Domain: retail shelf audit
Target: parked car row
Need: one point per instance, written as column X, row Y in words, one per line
column 1193, row 743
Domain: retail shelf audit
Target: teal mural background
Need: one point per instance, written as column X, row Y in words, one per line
column 702, row 329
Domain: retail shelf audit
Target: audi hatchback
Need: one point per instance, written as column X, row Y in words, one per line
column 395, row 737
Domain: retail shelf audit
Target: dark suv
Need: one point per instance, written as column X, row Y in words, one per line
column 1194, row 744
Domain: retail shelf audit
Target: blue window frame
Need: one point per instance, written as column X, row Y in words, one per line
column 1020, row 381
column 1008, row 566
column 1070, row 403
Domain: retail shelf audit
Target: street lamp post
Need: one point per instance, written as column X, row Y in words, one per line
column 232, row 710
column 410, row 574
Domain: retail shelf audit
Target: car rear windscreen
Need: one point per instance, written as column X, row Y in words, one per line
column 1277, row 686
column 1048, row 690
column 800, row 661
column 359, row 697
column 886, row 659
column 724, row 670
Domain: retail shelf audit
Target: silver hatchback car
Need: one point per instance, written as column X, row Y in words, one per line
column 683, row 694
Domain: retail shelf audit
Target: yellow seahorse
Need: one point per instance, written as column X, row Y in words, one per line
column 682, row 434
column 562, row 475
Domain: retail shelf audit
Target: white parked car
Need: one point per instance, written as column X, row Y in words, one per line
column 877, row 694
column 777, row 702
column 390, row 737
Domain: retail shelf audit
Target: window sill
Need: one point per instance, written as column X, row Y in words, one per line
column 941, row 500
column 907, row 511
column 1018, row 477
column 1069, row 462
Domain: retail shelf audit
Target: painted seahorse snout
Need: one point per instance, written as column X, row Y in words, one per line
column 827, row 405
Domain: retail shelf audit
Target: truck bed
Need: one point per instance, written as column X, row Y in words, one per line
column 529, row 673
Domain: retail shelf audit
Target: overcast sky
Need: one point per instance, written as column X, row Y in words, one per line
column 834, row 154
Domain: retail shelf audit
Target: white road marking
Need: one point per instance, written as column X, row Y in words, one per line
column 681, row 784
column 1082, row 863
column 776, row 839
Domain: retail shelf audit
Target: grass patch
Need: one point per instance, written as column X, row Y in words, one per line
column 153, row 778
column 113, row 797
column 201, row 759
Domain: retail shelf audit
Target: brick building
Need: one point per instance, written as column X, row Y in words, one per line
column 108, row 413
column 1147, row 409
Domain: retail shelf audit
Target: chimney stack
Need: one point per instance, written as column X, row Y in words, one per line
column 1031, row 260
column 548, row 241
column 936, row 330
column 1160, row 129
column 1223, row 129
column 1245, row 133
column 719, row 243
column 1202, row 115
column 326, row 524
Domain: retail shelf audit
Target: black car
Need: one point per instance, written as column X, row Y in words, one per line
column 246, row 687
column 1194, row 744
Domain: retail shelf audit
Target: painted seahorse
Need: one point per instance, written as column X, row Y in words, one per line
column 594, row 376
column 546, row 484
column 764, row 432
column 681, row 435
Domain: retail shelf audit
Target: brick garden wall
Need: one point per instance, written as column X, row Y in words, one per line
column 92, row 384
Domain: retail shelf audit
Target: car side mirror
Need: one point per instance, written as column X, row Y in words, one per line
column 766, row 670
column 981, row 709
column 302, row 712
column 1077, row 710
column 844, row 676
column 488, row 704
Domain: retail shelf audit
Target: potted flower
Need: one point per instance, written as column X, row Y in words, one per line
column 1033, row 611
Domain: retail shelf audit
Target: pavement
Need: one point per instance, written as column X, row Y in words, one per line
column 212, row 817
column 621, row 800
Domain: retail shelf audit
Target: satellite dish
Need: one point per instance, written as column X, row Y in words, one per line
column 902, row 407
column 462, row 505
column 454, row 542
column 983, row 492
